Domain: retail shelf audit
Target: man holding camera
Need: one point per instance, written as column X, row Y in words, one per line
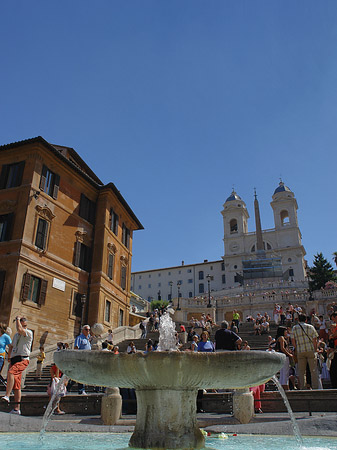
column 18, row 355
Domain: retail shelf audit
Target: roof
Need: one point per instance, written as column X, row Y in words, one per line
column 72, row 158
column 233, row 196
column 282, row 188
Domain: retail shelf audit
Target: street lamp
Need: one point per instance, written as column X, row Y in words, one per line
column 83, row 302
column 171, row 284
column 178, row 286
column 209, row 278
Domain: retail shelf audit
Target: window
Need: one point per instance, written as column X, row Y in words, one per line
column 140, row 277
column 87, row 209
column 159, row 274
column 284, row 215
column 201, row 275
column 77, row 305
column 111, row 261
column 149, row 286
column 291, row 272
column 114, row 219
column 41, row 234
column 82, row 256
column 201, row 288
column 222, row 266
column 121, row 318
column 189, row 270
column 179, row 272
column 169, row 273
column 190, row 294
column 123, row 277
column 223, row 279
column 125, row 236
column 2, row 282
column 211, row 267
column 6, row 225
column 11, row 175
column 140, row 286
column 233, row 226
column 49, row 182
column 180, row 282
column 235, row 266
column 34, row 289
column 159, row 284
column 236, row 279
column 107, row 311
column 149, row 276
column 190, row 280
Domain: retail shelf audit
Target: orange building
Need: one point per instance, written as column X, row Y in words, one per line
column 65, row 242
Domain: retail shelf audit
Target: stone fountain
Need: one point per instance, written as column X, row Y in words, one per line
column 166, row 386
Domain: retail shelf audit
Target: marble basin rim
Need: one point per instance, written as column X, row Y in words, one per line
column 170, row 370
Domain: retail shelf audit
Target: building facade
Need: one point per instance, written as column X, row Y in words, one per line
column 251, row 258
column 65, row 242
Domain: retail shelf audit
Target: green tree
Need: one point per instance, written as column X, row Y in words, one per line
column 158, row 304
column 335, row 257
column 321, row 272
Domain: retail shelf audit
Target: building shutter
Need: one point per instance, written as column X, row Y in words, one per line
column 92, row 211
column 25, row 286
column 43, row 178
column 56, row 186
column 123, row 277
column 43, row 292
column 9, row 227
column 3, row 176
column 41, row 234
column 21, row 166
column 111, row 265
column 77, row 254
column 2, row 282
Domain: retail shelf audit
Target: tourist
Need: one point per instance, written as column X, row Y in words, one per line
column 40, row 358
column 143, row 327
column 226, row 339
column 236, row 318
column 205, row 345
column 55, row 376
column 332, row 352
column 304, row 339
column 282, row 346
column 18, row 355
column 245, row 346
column 271, row 342
column 116, row 350
column 276, row 314
column 5, row 341
column 110, row 337
column 264, row 326
column 82, row 342
column 131, row 348
column 322, row 331
column 194, row 345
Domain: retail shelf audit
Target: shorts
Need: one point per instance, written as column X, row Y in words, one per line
column 16, row 370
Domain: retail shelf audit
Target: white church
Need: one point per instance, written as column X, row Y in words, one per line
column 261, row 258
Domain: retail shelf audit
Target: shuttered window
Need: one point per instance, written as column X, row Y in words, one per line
column 11, row 175
column 34, row 289
column 49, row 182
column 123, row 277
column 111, row 259
column 125, row 236
column 82, row 257
column 114, row 219
column 6, row 226
column 87, row 209
column 41, row 234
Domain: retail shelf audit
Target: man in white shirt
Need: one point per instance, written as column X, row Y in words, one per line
column 18, row 355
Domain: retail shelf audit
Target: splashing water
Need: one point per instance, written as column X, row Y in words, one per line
column 296, row 430
column 52, row 405
column 167, row 334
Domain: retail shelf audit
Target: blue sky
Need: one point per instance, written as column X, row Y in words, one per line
column 177, row 101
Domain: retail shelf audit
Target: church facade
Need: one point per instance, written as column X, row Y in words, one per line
column 263, row 257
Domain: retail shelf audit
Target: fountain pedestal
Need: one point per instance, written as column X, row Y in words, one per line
column 167, row 419
column 111, row 407
column 243, row 405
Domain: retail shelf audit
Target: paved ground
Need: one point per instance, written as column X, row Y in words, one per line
column 319, row 424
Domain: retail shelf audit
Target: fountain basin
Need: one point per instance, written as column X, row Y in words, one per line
column 166, row 386
column 170, row 370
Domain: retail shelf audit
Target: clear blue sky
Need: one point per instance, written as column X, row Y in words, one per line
column 177, row 101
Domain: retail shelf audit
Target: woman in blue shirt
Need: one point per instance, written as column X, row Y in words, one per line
column 5, row 340
column 205, row 345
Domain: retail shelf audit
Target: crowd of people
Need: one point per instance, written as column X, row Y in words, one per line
column 309, row 342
